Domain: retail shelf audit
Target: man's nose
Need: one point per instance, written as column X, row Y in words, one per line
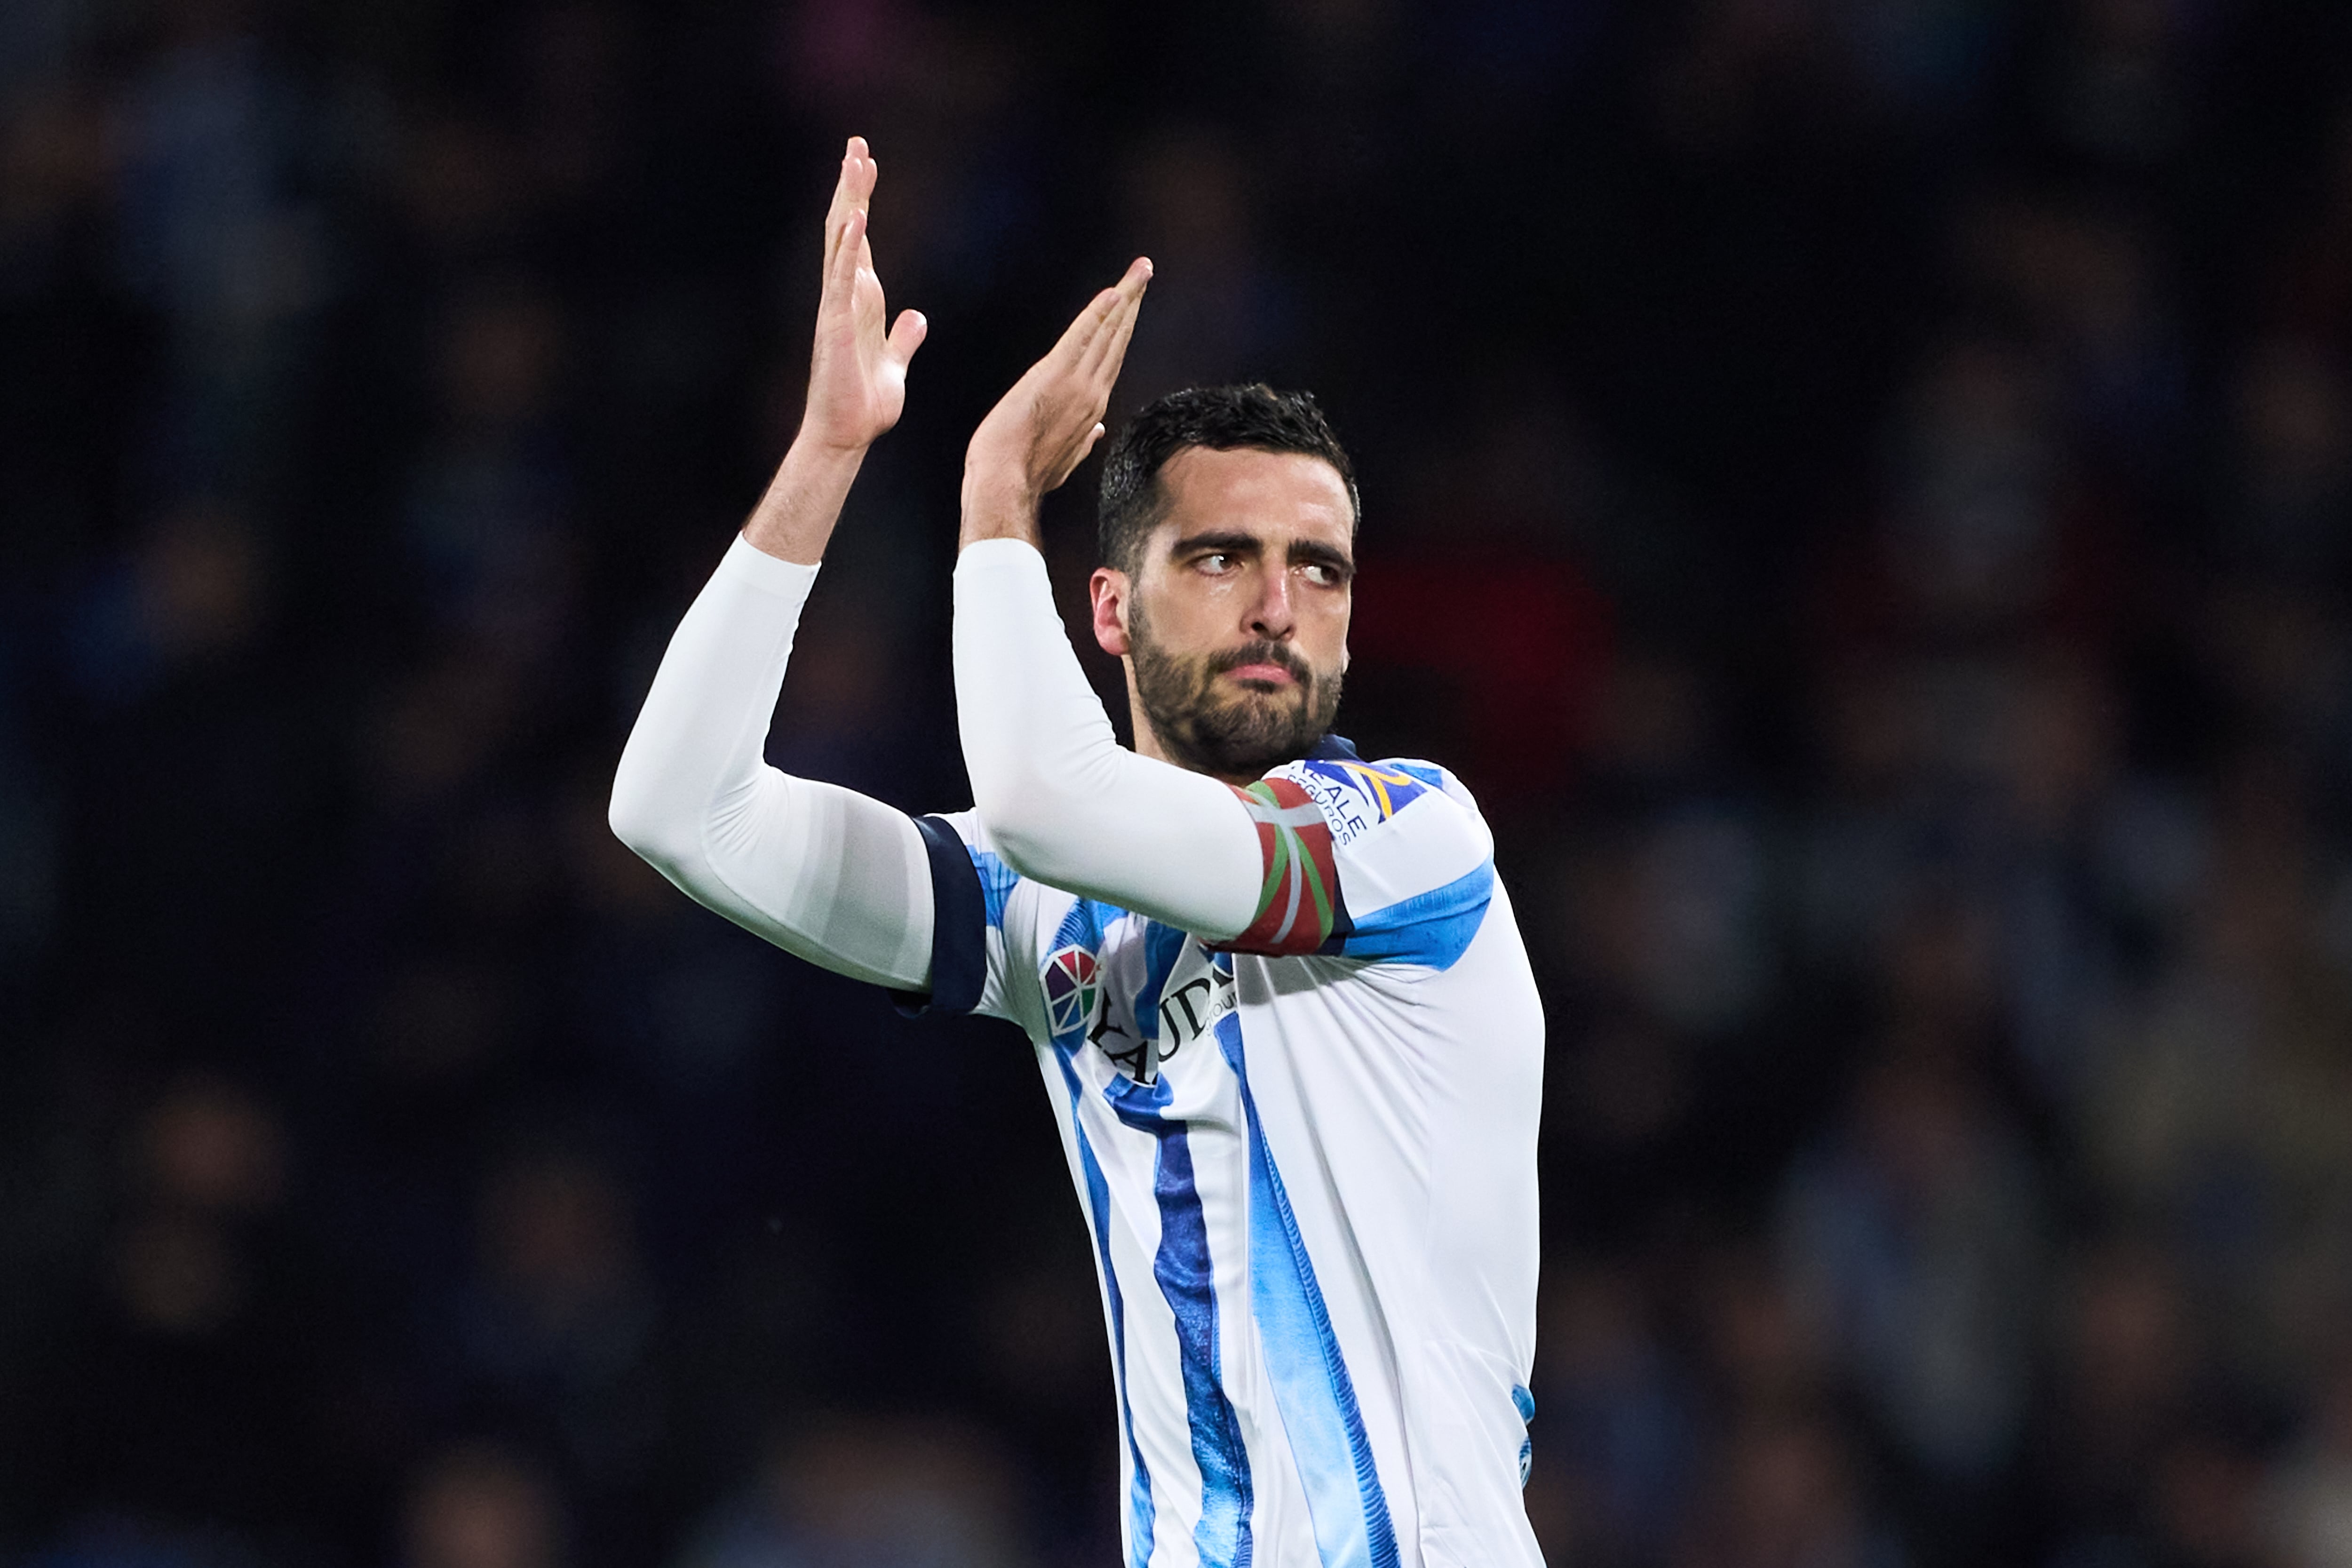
column 1271, row 615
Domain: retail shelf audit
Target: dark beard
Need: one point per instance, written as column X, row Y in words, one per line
column 1239, row 737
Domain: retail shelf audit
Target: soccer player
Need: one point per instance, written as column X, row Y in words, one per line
column 1278, row 995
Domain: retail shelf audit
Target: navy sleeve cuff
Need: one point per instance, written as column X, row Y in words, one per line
column 959, row 926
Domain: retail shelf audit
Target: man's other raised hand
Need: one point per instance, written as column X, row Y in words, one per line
column 1045, row 426
column 857, row 374
column 857, row 381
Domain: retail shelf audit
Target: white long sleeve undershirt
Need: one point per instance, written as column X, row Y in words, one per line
column 835, row 877
column 843, row 881
column 1064, row 801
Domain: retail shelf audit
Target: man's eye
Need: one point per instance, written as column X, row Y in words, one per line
column 1321, row 575
column 1216, row 562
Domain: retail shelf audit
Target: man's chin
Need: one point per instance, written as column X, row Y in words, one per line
column 1260, row 718
column 1251, row 734
column 1273, row 704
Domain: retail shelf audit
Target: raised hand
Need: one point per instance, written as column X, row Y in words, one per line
column 1044, row 426
column 858, row 382
column 857, row 375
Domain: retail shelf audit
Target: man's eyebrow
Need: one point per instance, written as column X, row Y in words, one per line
column 1216, row 539
column 1315, row 553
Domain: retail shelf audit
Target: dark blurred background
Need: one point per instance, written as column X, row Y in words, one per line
column 1861, row 489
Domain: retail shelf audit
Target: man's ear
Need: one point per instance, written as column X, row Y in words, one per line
column 1110, row 588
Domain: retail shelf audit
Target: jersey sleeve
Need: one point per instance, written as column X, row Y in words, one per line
column 1389, row 862
column 983, row 921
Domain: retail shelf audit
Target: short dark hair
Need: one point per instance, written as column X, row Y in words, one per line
column 1223, row 419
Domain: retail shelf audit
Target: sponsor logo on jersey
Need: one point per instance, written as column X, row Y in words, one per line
column 1343, row 808
column 1189, row 1008
column 1356, row 796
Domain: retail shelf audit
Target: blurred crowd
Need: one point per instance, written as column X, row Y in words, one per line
column 1861, row 489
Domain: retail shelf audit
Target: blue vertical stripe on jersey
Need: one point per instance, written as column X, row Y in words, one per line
column 1311, row 1385
column 997, row 881
column 1138, row 1502
column 1184, row 1271
column 1525, row 1404
column 1162, row 945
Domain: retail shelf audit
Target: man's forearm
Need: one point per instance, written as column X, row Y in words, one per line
column 794, row 518
column 1066, row 802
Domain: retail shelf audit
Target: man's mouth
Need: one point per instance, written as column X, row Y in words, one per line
column 1267, row 674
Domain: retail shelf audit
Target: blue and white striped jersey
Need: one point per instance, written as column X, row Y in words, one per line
column 1307, row 1163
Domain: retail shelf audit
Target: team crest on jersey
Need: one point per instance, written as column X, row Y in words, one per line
column 1072, row 984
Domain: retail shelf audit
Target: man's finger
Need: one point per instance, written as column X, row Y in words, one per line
column 1126, row 292
column 845, row 193
column 1099, row 365
column 1082, row 331
column 863, row 172
column 906, row 336
column 1109, row 350
column 841, row 278
column 851, row 193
